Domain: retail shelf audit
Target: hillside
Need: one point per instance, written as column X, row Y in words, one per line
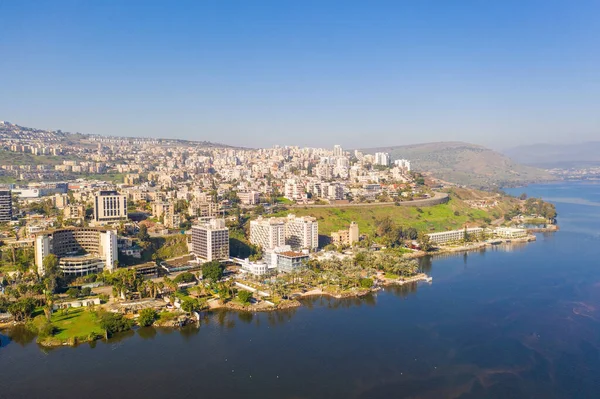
column 557, row 155
column 464, row 208
column 10, row 131
column 465, row 164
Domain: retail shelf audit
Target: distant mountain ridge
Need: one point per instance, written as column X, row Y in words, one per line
column 465, row 164
column 557, row 155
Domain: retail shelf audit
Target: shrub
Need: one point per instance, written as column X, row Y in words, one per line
column 114, row 323
column 73, row 292
column 185, row 277
column 147, row 317
column 46, row 329
column 366, row 282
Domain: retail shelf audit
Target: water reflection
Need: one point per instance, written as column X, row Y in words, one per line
column 19, row 334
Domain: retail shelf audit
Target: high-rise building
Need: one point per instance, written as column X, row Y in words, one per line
column 5, row 206
column 338, row 151
column 110, row 206
column 210, row 240
column 267, row 233
column 382, row 158
column 80, row 251
column 302, row 232
column 403, row 164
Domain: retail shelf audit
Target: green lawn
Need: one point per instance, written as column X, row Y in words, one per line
column 77, row 323
column 433, row 218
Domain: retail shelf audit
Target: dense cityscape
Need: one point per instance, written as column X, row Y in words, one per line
column 158, row 231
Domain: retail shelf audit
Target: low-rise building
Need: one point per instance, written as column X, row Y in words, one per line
column 445, row 237
column 510, row 232
column 284, row 259
column 346, row 237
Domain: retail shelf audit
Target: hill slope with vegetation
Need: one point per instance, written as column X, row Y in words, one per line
column 465, row 164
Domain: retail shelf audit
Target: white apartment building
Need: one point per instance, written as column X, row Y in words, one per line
column 267, row 233
column 403, row 164
column 338, row 151
column 210, row 240
column 382, row 158
column 249, row 197
column 293, row 190
column 109, row 206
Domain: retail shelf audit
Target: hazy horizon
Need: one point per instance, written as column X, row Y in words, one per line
column 308, row 74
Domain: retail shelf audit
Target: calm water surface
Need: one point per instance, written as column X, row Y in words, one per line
column 510, row 322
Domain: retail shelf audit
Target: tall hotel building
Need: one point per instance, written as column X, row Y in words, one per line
column 5, row 206
column 302, row 232
column 210, row 240
column 80, row 251
column 298, row 232
column 110, row 206
column 267, row 233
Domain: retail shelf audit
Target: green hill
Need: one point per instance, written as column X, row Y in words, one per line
column 465, row 164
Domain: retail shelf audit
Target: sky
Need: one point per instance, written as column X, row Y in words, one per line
column 309, row 73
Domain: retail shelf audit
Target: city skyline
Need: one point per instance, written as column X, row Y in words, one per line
column 307, row 74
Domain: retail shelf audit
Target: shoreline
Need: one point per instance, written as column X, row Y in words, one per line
column 265, row 306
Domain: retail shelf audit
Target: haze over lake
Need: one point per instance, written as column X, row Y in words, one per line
column 512, row 321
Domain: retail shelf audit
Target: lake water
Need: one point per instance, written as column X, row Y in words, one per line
column 509, row 322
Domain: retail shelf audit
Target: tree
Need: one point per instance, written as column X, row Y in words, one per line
column 244, row 296
column 143, row 235
column 22, row 309
column 50, row 265
column 424, row 242
column 147, row 317
column 73, row 292
column 212, row 271
column 190, row 305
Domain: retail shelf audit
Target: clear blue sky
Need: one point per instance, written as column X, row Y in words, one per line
column 258, row 73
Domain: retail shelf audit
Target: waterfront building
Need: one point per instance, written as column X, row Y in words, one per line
column 445, row 237
column 5, row 205
column 267, row 233
column 510, row 232
column 110, row 206
column 80, row 250
column 284, row 259
column 210, row 240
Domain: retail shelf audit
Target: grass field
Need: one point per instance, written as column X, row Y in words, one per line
column 78, row 324
column 429, row 219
